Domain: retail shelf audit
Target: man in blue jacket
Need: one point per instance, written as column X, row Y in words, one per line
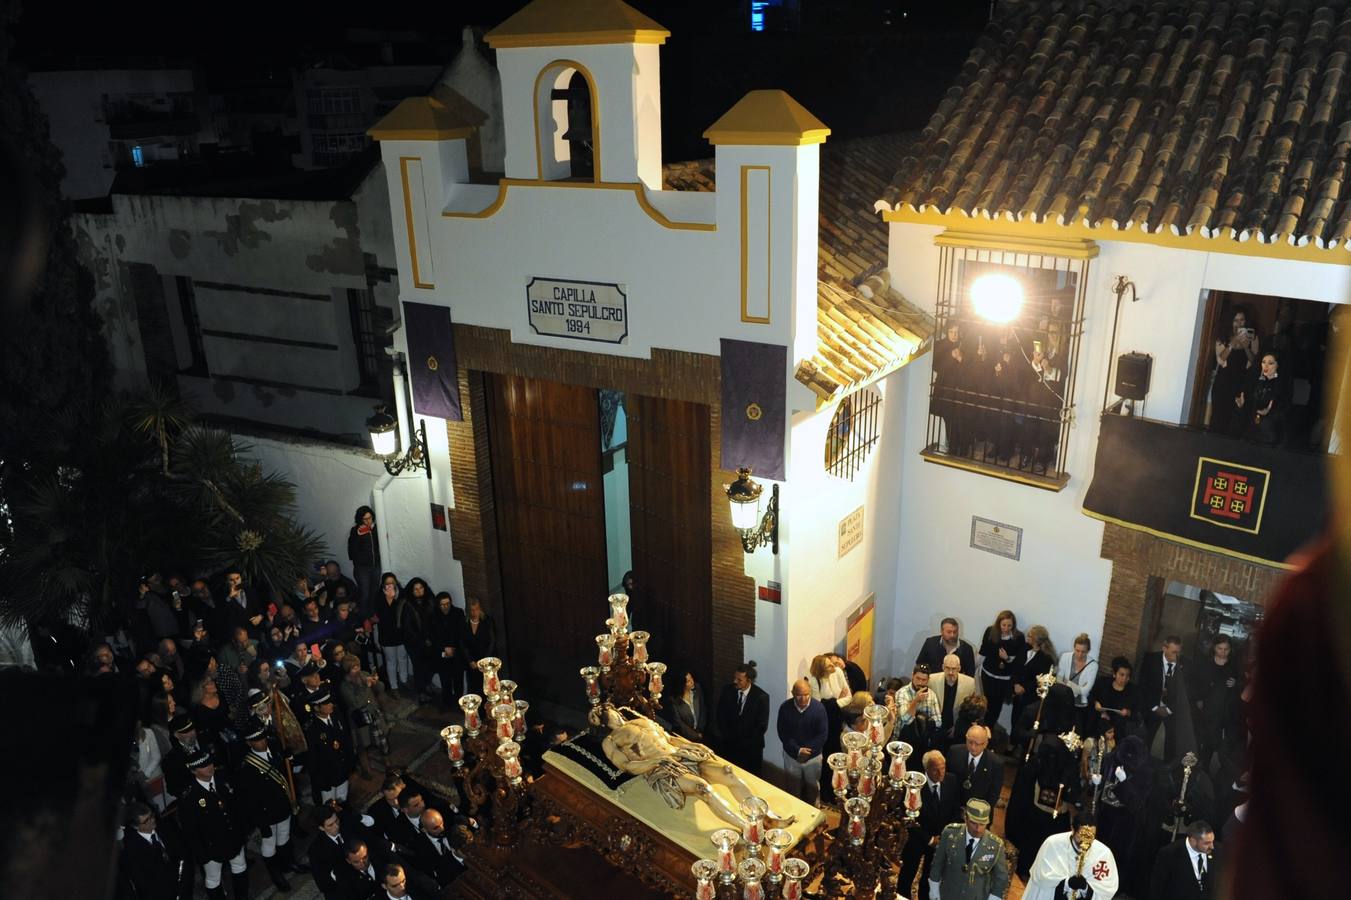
column 802, row 731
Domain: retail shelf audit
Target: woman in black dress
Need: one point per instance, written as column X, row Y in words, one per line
column 1116, row 703
column 480, row 640
column 1003, row 651
column 1038, row 659
column 1267, row 404
column 1235, row 358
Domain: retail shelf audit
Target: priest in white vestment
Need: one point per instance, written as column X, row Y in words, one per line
column 1059, row 873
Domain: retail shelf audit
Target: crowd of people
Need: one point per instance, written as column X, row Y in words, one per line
column 1074, row 771
column 1248, row 396
column 1000, row 403
column 254, row 705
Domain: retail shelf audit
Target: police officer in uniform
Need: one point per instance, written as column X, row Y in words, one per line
column 969, row 863
column 183, row 746
column 212, row 816
column 266, row 788
column 330, row 749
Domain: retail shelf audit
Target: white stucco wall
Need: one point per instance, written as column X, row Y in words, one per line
column 1060, row 581
column 332, row 481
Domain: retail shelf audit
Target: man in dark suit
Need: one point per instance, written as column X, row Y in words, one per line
column 979, row 770
column 940, row 806
column 265, row 786
column 405, row 827
column 153, row 864
column 328, row 847
column 947, row 641
column 358, row 876
column 1182, row 870
column 743, row 718
column 330, row 755
column 437, row 852
column 1163, row 680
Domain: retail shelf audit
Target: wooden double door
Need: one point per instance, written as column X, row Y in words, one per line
column 549, row 498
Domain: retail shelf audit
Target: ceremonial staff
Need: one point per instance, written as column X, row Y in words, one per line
column 1189, row 760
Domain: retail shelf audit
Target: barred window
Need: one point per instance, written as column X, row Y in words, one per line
column 853, row 433
column 1005, row 359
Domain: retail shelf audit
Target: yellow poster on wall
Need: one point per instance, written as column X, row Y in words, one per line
column 858, row 636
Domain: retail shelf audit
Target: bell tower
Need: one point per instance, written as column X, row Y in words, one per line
column 581, row 92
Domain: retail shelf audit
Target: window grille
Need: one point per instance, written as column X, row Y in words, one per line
column 1001, row 398
column 853, row 433
column 362, row 307
column 192, row 324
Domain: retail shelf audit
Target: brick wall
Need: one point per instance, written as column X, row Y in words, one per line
column 1137, row 557
column 670, row 374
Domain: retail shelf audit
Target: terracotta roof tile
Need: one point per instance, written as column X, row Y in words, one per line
column 865, row 329
column 1231, row 118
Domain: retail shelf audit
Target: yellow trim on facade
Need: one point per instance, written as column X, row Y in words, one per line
column 595, row 115
column 638, row 188
column 423, row 134
column 972, row 466
column 428, row 119
column 1074, row 248
column 1036, row 231
column 770, row 118
column 408, row 214
column 1223, row 551
column 580, row 39
column 769, row 249
column 560, row 23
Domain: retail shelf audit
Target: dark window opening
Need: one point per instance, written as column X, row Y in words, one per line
column 853, row 433
column 187, row 302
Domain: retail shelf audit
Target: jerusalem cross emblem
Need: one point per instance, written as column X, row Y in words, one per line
column 1229, row 495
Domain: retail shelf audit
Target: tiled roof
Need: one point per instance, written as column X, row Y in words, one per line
column 864, row 328
column 1227, row 118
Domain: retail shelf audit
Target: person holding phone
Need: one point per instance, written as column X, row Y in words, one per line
column 916, row 698
column 363, row 549
column 1235, row 358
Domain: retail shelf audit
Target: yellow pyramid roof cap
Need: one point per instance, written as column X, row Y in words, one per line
column 767, row 117
column 561, row 23
column 441, row 117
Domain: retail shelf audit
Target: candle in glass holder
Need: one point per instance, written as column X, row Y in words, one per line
column 839, row 773
column 605, row 645
column 751, row 871
column 489, row 665
column 518, row 721
column 914, row 783
column 655, row 671
column 591, row 675
column 640, row 639
column 502, row 714
column 900, row 751
column 857, row 810
column 725, row 840
column 453, row 735
column 867, row 778
column 753, row 812
column 470, row 704
column 876, row 716
column 510, row 752
column 619, row 611
column 855, row 743
column 795, row 872
column 777, row 842
column 705, row 870
column 506, row 691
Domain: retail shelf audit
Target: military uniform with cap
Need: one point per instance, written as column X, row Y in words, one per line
column 266, row 787
column 214, row 820
column 330, row 757
column 969, row 868
column 183, row 745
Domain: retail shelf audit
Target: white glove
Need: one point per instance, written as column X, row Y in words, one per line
column 1097, row 779
column 367, row 821
column 933, row 890
column 1120, row 774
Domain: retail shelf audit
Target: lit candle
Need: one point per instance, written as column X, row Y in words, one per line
column 591, row 675
column 876, row 716
column 751, row 871
column 605, row 644
column 640, row 639
column 489, row 665
column 619, row 611
column 510, row 753
column 452, row 735
column 795, row 871
column 855, row 743
column 725, row 840
column 503, row 714
column 778, row 840
column 705, row 870
column 867, row 779
column 857, row 810
column 839, row 773
column 655, row 671
column 753, row 812
column 518, row 723
column 470, row 704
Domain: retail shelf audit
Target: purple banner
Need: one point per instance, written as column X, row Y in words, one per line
column 431, row 361
column 754, row 401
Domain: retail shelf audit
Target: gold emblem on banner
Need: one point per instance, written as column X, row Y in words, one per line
column 754, row 412
column 432, row 363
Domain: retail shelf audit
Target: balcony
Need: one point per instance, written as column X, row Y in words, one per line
column 1207, row 490
column 148, row 124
